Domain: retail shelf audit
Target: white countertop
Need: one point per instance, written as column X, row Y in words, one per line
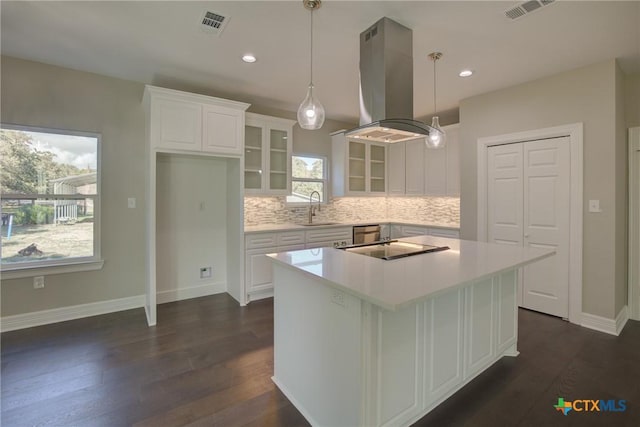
column 397, row 283
column 291, row 226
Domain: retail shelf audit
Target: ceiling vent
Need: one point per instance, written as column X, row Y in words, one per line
column 525, row 8
column 213, row 22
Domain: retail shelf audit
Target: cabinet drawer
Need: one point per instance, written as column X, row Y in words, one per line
column 261, row 240
column 329, row 244
column 413, row 231
column 291, row 238
column 331, row 234
column 444, row 232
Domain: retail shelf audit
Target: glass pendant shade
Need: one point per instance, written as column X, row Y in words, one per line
column 310, row 112
column 436, row 136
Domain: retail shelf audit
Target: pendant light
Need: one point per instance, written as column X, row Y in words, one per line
column 311, row 111
column 436, row 138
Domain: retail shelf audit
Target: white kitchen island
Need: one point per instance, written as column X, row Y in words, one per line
column 360, row 341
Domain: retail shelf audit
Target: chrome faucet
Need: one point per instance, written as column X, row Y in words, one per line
column 312, row 209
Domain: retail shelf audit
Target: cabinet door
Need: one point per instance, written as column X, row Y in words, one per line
column 222, row 130
column 414, row 171
column 253, row 155
column 357, row 167
column 435, row 165
column 258, row 270
column 377, row 169
column 279, row 156
column 396, row 169
column 176, row 124
column 385, row 231
column 453, row 162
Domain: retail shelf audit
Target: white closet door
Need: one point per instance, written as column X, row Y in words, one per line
column 504, row 196
column 528, row 196
column 546, row 224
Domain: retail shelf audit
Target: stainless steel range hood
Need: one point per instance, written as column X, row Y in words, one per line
column 386, row 85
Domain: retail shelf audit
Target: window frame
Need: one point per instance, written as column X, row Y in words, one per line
column 64, row 265
column 324, row 181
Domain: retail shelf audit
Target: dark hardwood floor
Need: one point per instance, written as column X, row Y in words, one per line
column 209, row 363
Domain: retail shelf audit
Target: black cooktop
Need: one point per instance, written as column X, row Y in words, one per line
column 393, row 249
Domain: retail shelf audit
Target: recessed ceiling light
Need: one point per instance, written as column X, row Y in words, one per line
column 249, row 58
column 465, row 73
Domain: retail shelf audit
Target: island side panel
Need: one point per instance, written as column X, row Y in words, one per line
column 424, row 353
column 317, row 348
column 507, row 316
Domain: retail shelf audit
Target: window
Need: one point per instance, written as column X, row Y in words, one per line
column 308, row 174
column 49, row 187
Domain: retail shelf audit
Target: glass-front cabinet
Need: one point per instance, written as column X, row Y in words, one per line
column 377, row 163
column 267, row 154
column 252, row 157
column 359, row 167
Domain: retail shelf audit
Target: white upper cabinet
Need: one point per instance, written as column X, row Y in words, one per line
column 267, row 151
column 397, row 169
column 415, row 170
column 435, row 171
column 453, row 160
column 359, row 167
column 182, row 121
column 414, row 167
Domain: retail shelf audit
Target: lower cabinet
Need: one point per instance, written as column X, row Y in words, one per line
column 258, row 270
column 258, row 267
column 398, row 231
column 258, row 276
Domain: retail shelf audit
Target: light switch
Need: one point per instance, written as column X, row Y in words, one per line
column 594, row 206
column 131, row 202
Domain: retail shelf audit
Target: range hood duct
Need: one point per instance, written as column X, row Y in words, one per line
column 386, row 85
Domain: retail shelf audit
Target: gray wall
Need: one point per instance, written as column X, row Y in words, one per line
column 586, row 95
column 37, row 94
column 46, row 96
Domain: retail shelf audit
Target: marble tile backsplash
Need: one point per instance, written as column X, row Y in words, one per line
column 273, row 210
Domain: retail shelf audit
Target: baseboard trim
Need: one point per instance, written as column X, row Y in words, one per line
column 55, row 315
column 262, row 294
column 191, row 292
column 621, row 319
column 604, row 324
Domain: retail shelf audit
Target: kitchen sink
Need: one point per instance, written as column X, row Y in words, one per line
column 313, row 224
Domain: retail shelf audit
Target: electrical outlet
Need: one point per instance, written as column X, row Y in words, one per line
column 38, row 282
column 131, row 202
column 205, row 272
column 594, row 206
column 338, row 297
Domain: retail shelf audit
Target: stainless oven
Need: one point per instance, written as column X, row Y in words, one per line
column 366, row 234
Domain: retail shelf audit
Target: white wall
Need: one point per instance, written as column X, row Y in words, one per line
column 36, row 94
column 586, row 95
column 191, row 224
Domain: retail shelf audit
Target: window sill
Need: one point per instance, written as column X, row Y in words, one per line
column 48, row 270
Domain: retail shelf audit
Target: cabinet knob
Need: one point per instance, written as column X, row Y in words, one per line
column 526, row 235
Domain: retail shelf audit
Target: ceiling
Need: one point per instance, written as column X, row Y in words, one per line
column 162, row 43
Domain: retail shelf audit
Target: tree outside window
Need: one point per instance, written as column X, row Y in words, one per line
column 308, row 175
column 49, row 192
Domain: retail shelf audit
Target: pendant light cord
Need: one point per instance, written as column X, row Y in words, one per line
column 435, row 110
column 311, row 49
